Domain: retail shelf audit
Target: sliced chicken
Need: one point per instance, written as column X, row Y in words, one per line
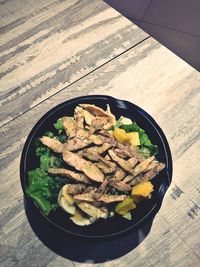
column 98, row 149
column 107, row 157
column 107, row 137
column 97, row 140
column 105, row 168
column 128, row 178
column 79, row 117
column 73, row 189
column 129, row 151
column 120, row 174
column 148, row 175
column 77, row 143
column 80, row 141
column 102, row 119
column 119, row 185
column 101, row 189
column 111, row 165
column 80, row 164
column 122, row 153
column 93, row 211
column 82, row 133
column 160, row 166
column 141, row 167
column 103, row 198
column 79, row 177
column 96, row 111
column 112, row 198
column 90, row 155
column 133, row 161
column 82, row 113
column 85, row 197
column 135, row 153
column 70, row 126
column 52, row 143
column 105, row 165
column 121, row 162
column 99, row 123
column 152, row 165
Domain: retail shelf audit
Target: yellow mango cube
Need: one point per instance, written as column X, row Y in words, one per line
column 125, row 206
column 143, row 189
column 133, row 138
column 120, row 135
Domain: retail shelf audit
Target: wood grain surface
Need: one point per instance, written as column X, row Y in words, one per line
column 47, row 47
column 102, row 54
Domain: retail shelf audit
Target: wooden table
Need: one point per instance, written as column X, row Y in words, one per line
column 55, row 50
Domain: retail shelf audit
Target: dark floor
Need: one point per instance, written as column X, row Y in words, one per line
column 174, row 23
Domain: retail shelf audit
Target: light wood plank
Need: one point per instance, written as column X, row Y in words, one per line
column 45, row 48
column 154, row 78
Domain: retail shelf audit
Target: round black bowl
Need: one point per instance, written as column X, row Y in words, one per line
column 116, row 225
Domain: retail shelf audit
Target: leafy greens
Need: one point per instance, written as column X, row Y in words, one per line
column 43, row 189
column 146, row 147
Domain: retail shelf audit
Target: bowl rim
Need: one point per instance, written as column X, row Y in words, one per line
column 151, row 120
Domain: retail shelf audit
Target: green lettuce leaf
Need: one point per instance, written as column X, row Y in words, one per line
column 44, row 189
column 145, row 142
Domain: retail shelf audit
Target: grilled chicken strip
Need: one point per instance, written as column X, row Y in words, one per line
column 121, row 162
column 80, row 164
column 152, row 165
column 96, row 111
column 93, row 211
column 52, row 143
column 99, row 123
column 133, row 161
column 85, row 197
column 119, row 185
column 112, row 198
column 80, row 177
column 82, row 133
column 107, row 137
column 128, row 178
column 108, row 163
column 130, row 151
column 101, row 189
column 82, row 113
column 108, row 121
column 136, row 154
column 119, row 175
column 105, row 169
column 76, row 144
column 142, row 166
column 70, row 126
column 148, row 175
column 104, row 198
column 97, row 140
column 122, row 153
column 101, row 139
column 98, row 149
column 105, row 165
column 79, row 118
column 74, row 189
column 90, row 155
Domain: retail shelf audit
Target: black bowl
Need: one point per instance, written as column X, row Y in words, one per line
column 116, row 225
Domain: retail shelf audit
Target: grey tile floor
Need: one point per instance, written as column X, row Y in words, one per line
column 175, row 24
